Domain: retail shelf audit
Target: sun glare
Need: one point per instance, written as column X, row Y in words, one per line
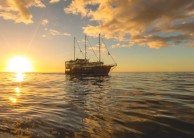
column 19, row 64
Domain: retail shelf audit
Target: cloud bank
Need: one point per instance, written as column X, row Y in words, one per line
column 153, row 23
column 17, row 10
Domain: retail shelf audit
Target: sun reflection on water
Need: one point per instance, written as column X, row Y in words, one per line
column 17, row 90
column 12, row 99
column 19, row 76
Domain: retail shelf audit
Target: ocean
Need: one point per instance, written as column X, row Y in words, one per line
column 135, row 105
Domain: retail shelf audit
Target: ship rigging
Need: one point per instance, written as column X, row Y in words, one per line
column 84, row 66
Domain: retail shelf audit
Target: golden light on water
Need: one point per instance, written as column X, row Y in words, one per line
column 17, row 90
column 19, row 64
column 12, row 99
column 15, row 96
column 19, row 77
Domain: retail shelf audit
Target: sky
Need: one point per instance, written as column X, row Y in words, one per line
column 141, row 35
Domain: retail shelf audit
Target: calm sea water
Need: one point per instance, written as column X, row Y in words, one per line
column 120, row 105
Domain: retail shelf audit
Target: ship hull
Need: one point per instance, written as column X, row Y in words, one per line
column 95, row 70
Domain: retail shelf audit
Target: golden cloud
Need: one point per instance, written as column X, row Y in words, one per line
column 54, row 32
column 54, row 1
column 17, row 10
column 44, row 22
column 152, row 23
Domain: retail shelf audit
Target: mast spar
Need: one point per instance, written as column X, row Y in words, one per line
column 85, row 46
column 99, row 48
column 74, row 48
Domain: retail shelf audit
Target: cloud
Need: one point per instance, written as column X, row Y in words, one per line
column 153, row 23
column 191, row 46
column 44, row 22
column 17, row 10
column 50, row 31
column 96, row 47
column 119, row 45
column 44, row 35
column 54, row 1
column 54, row 32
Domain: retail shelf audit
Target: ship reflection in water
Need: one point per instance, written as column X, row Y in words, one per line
column 119, row 105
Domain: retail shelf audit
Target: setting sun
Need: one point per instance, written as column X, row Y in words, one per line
column 19, row 64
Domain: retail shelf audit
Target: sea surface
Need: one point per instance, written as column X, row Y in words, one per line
column 131, row 105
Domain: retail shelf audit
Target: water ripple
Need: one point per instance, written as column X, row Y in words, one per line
column 120, row 105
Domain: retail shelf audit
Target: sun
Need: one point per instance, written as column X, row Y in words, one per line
column 19, row 64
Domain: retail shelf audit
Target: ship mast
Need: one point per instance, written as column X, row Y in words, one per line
column 99, row 49
column 85, row 46
column 74, row 48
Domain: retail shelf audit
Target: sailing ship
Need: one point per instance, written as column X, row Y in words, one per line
column 84, row 66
